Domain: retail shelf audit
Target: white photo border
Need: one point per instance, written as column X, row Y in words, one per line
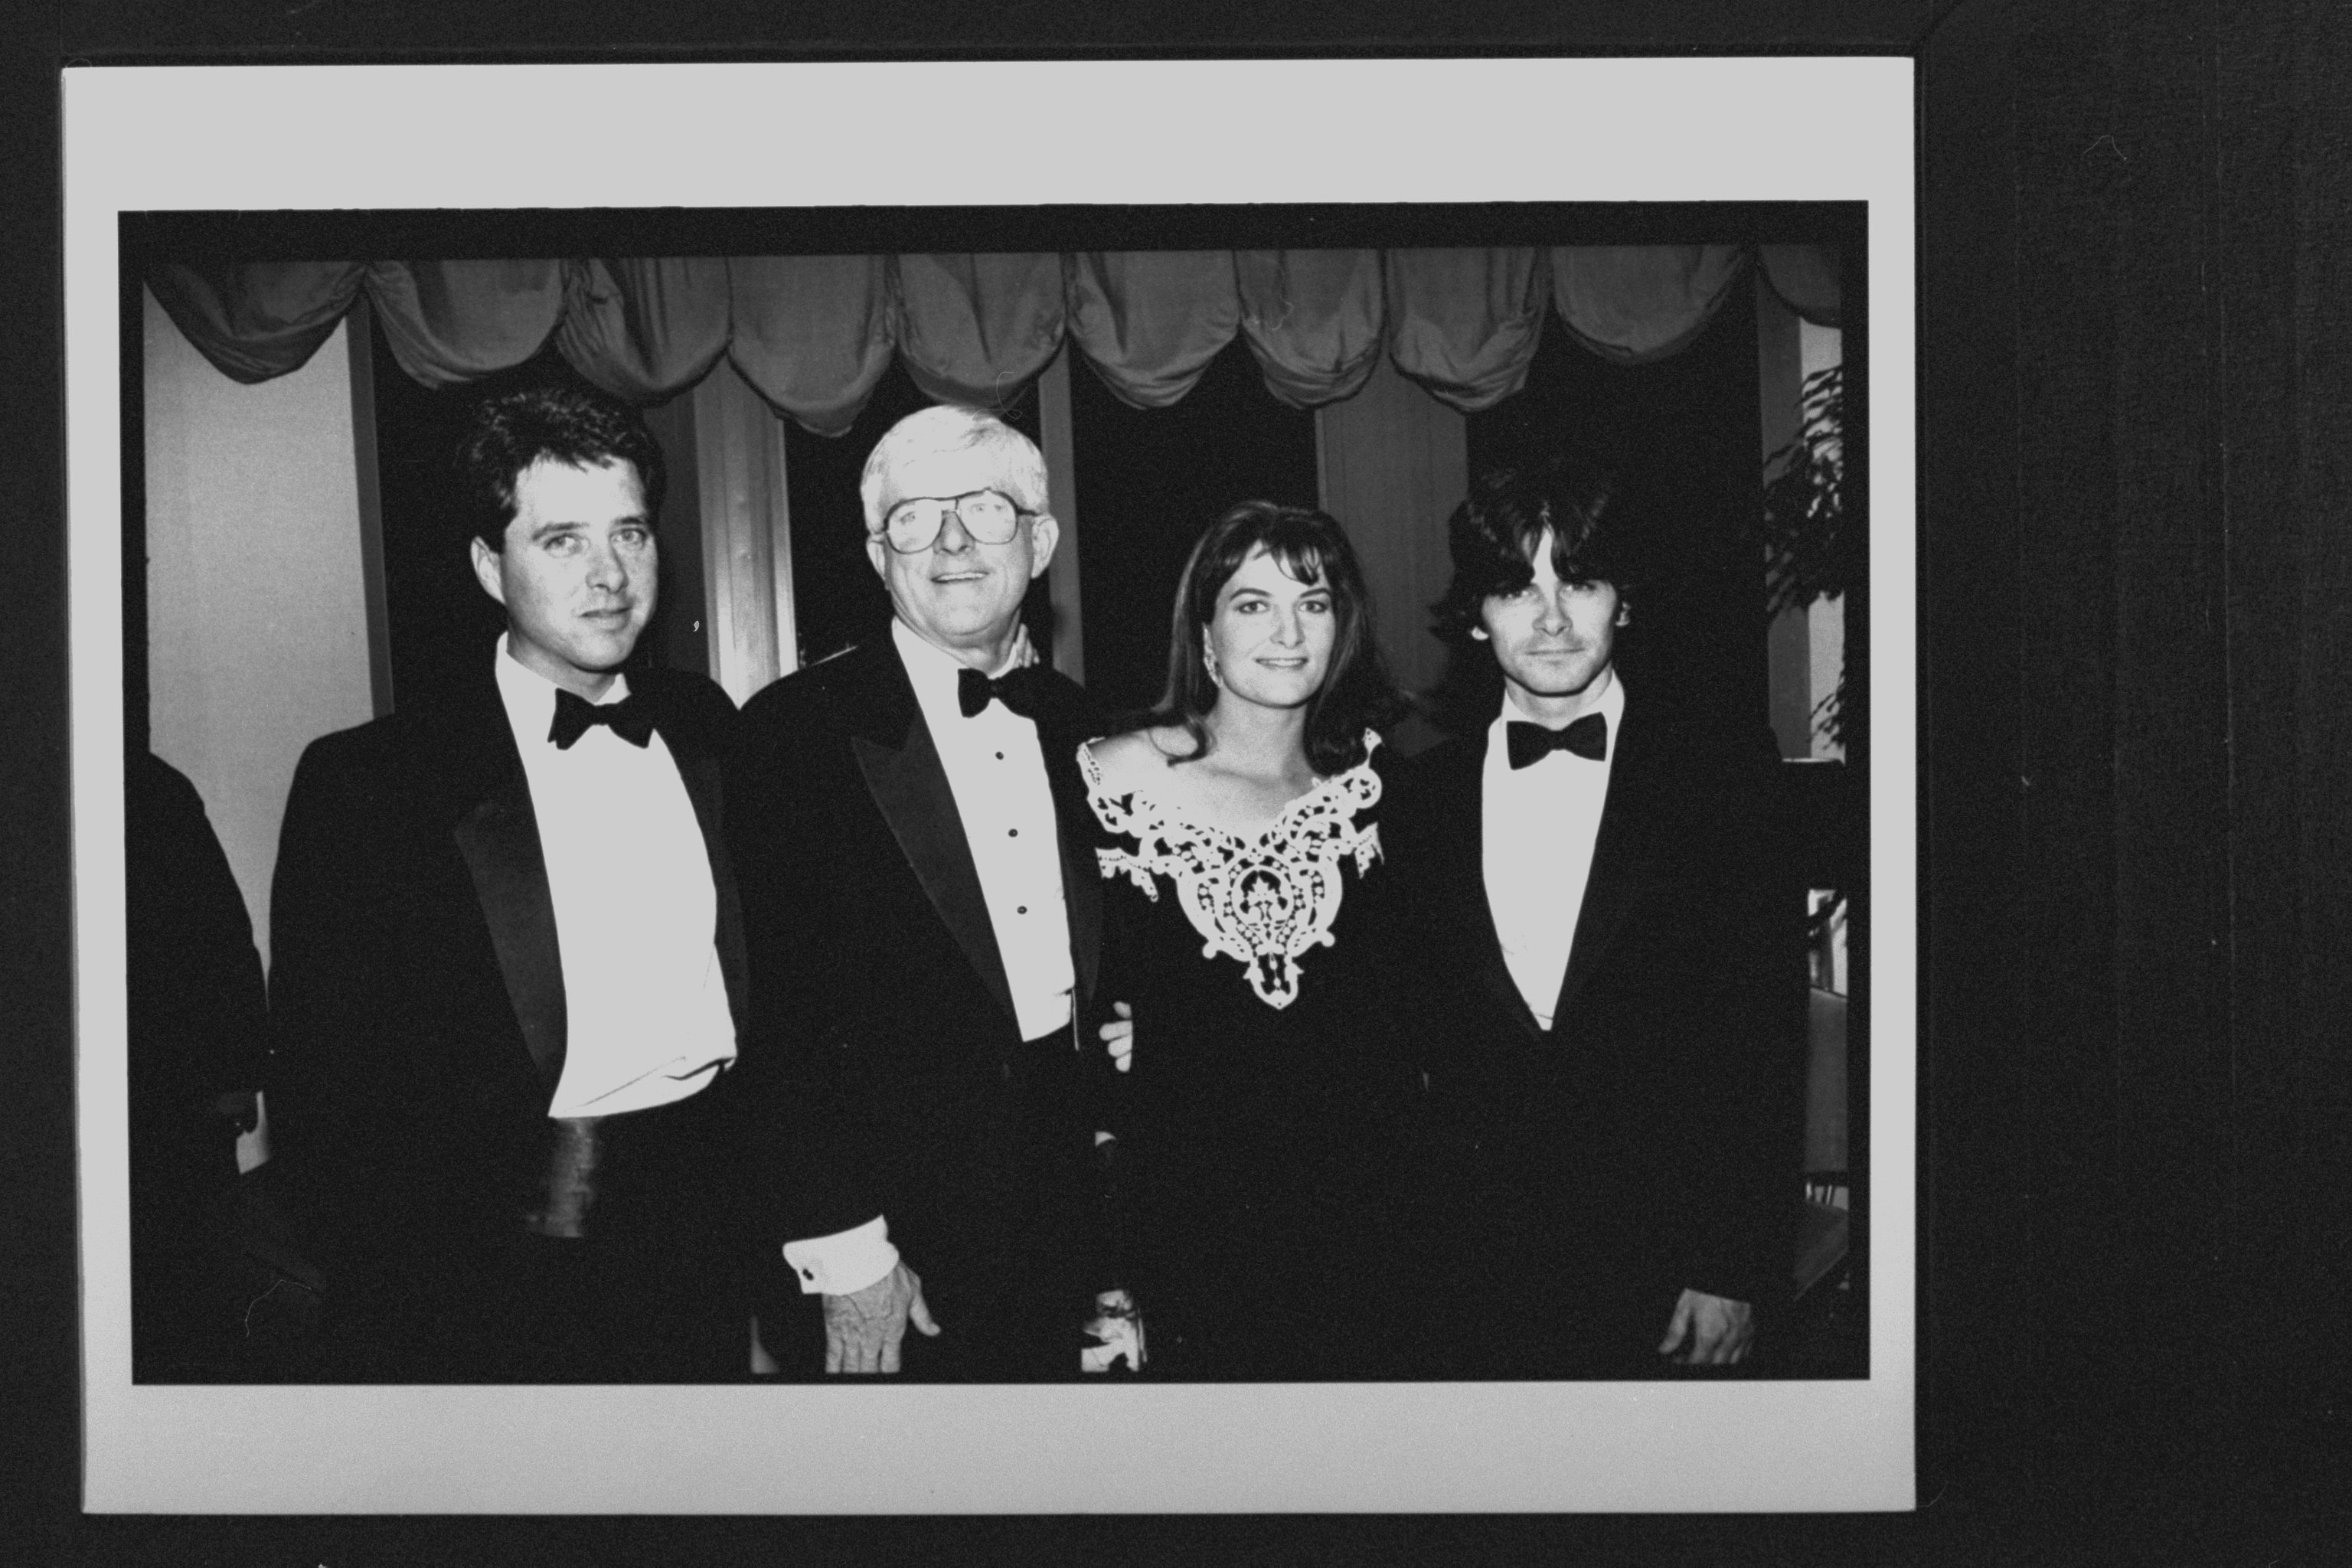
column 324, row 138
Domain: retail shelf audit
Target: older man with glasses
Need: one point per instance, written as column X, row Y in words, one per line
column 922, row 919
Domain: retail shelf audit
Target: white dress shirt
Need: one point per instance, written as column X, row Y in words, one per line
column 646, row 1021
column 1540, row 823
column 997, row 772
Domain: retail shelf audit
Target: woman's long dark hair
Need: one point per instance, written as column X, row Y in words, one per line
column 1356, row 692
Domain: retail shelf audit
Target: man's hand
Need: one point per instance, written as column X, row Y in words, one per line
column 1118, row 1331
column 1717, row 1331
column 863, row 1329
column 1118, row 1036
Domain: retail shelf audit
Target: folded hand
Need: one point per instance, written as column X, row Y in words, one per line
column 1118, row 1036
column 864, row 1328
column 1118, row 1333
column 1717, row 1329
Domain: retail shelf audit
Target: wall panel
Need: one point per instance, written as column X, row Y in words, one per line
column 256, row 616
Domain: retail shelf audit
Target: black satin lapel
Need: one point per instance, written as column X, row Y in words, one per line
column 909, row 783
column 1475, row 914
column 1495, row 976
column 1492, row 971
column 1082, row 898
column 873, row 696
column 499, row 839
column 699, row 773
column 1614, row 884
column 1081, row 872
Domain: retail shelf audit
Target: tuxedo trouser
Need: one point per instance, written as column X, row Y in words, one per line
column 1004, row 1261
column 651, row 1290
column 186, row 1302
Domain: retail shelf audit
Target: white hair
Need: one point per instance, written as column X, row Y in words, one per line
column 952, row 427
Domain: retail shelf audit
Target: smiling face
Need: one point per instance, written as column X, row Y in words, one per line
column 960, row 594
column 1272, row 635
column 576, row 572
column 1555, row 639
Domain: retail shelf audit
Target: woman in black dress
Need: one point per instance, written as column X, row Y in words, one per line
column 1264, row 1114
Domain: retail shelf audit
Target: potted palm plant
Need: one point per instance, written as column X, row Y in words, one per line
column 1809, row 555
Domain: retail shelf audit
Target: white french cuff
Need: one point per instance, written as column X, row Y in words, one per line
column 843, row 1262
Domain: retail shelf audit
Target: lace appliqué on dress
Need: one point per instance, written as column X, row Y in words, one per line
column 1264, row 901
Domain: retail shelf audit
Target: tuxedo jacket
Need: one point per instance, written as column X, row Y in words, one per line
column 1647, row 1142
column 197, row 1025
column 896, row 1082
column 416, row 985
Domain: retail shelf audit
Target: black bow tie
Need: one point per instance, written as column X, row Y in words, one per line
column 1021, row 689
column 629, row 718
column 1531, row 743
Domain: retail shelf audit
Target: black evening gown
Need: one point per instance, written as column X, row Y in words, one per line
column 1267, row 1127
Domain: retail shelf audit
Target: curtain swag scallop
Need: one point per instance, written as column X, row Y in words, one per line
column 814, row 333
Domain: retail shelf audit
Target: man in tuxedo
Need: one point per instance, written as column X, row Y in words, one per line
column 198, row 1049
column 1611, row 1036
column 507, row 963
column 923, row 923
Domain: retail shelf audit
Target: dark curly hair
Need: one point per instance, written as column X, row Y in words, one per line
column 1596, row 522
column 570, row 425
column 1495, row 532
column 1357, row 693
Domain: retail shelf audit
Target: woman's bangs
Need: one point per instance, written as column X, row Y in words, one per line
column 1298, row 548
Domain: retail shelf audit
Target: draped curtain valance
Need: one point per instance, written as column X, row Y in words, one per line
column 814, row 333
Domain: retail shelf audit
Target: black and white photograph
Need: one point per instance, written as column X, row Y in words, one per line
column 1482, row 783
column 1253, row 819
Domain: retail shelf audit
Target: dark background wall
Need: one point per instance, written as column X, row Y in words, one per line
column 1148, row 481
column 1687, row 424
column 2139, row 784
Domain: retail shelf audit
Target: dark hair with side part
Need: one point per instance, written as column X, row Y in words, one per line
column 1495, row 532
column 570, row 425
column 1356, row 692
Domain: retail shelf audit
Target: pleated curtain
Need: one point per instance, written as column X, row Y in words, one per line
column 813, row 334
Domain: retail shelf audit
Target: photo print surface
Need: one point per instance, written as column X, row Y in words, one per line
column 1300, row 357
